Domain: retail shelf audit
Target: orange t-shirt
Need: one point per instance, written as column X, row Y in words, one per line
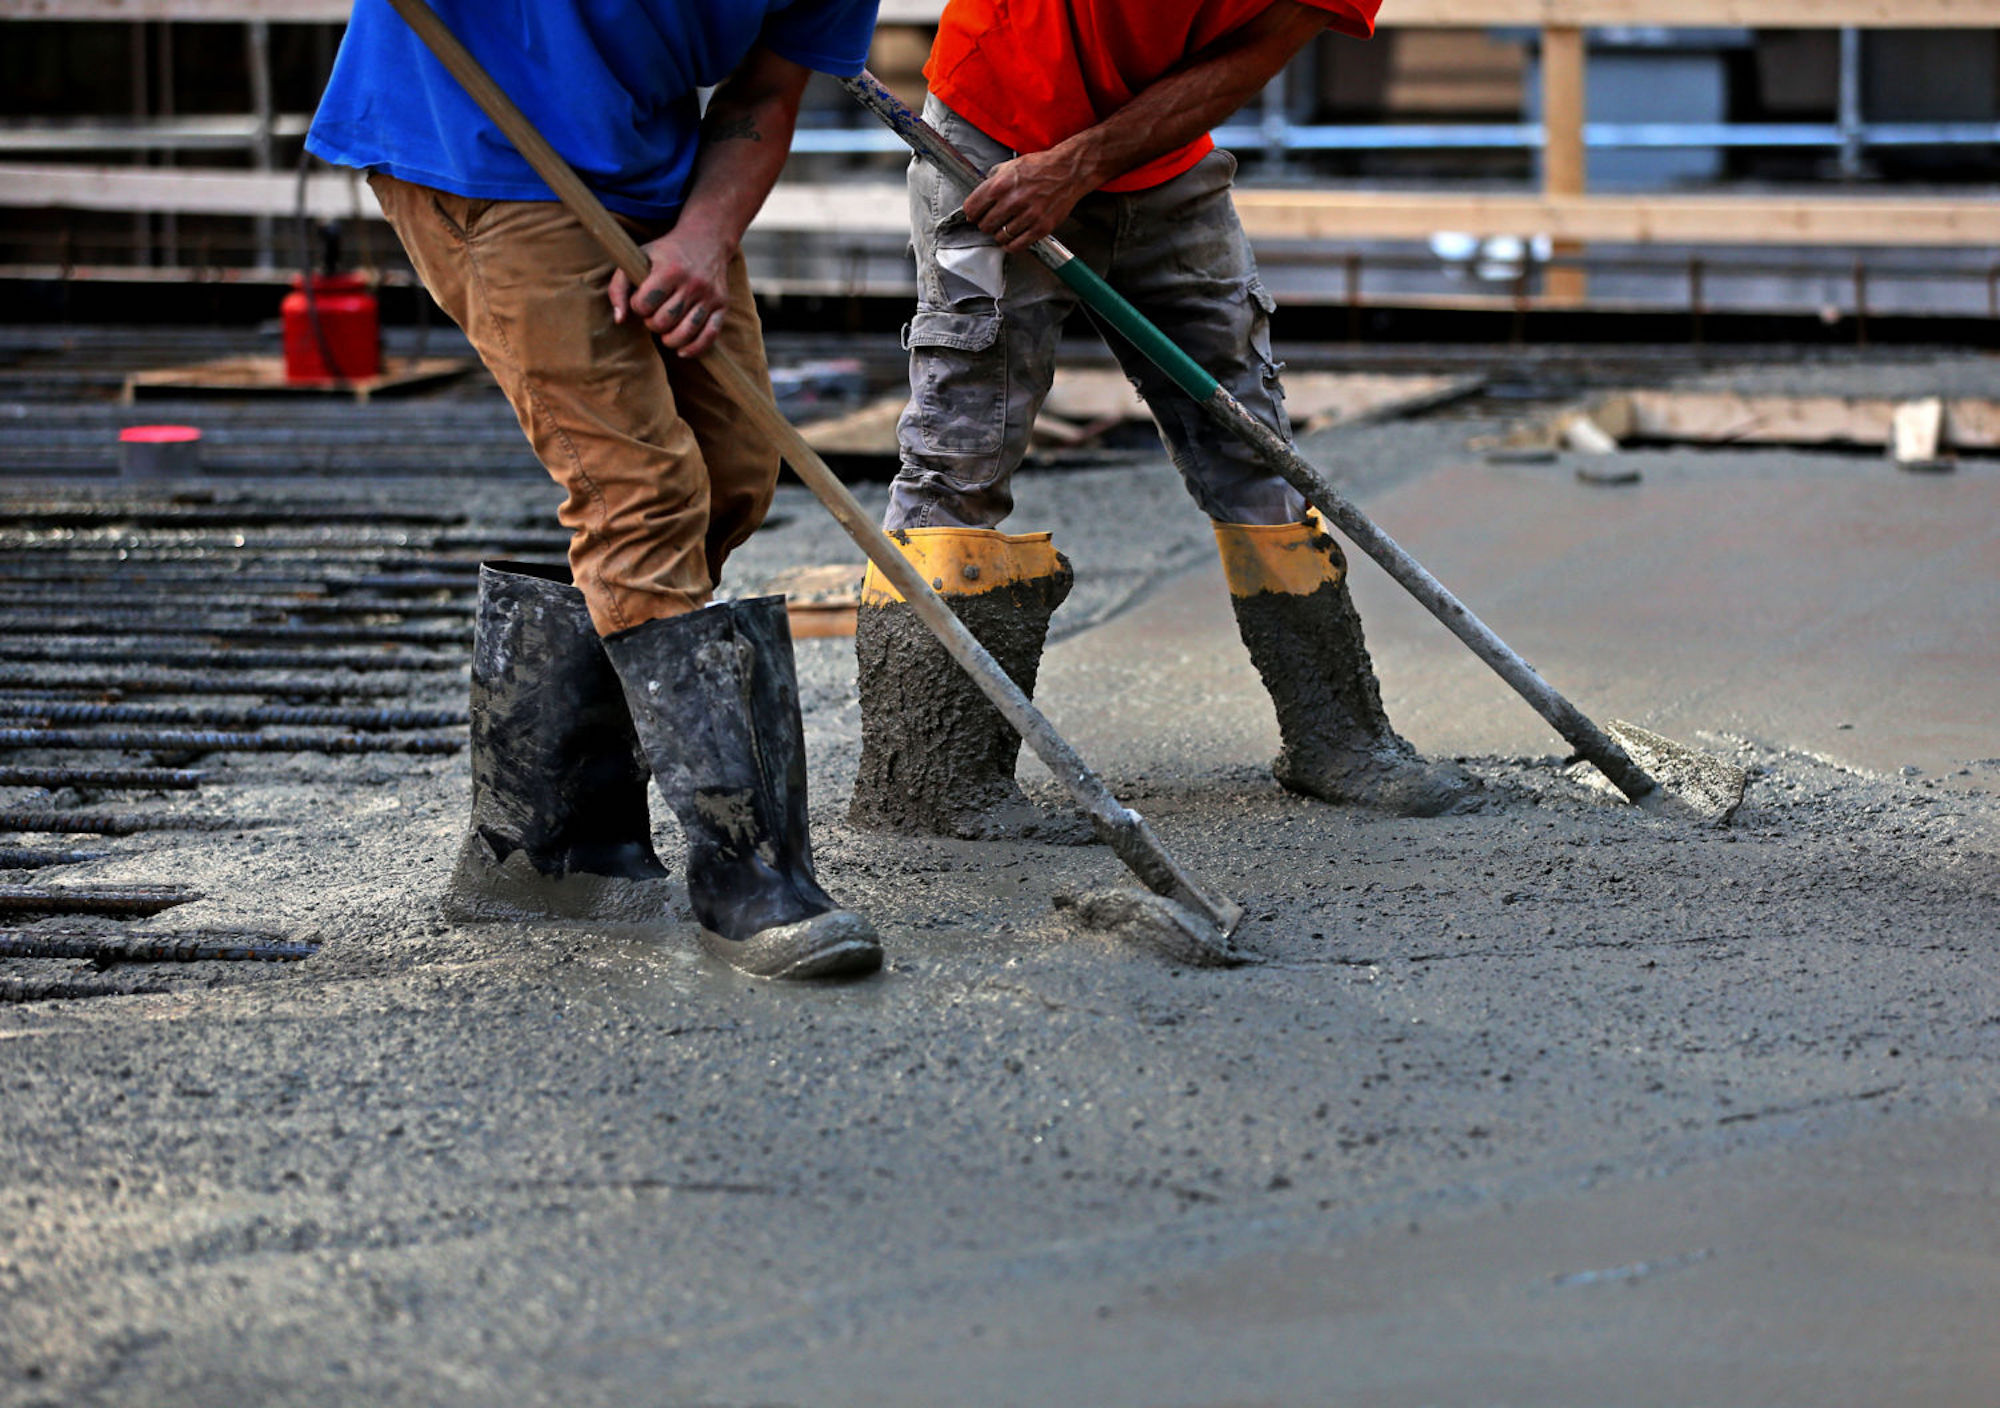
column 1033, row 72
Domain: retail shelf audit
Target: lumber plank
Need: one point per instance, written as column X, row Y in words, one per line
column 1728, row 417
column 878, row 208
column 1622, row 219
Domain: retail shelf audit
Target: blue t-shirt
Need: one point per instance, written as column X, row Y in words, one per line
column 610, row 83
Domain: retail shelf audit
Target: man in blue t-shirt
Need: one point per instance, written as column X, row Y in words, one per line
column 662, row 482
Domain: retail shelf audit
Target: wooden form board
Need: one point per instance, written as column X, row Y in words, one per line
column 1733, row 418
column 1086, row 401
column 877, row 208
column 1619, row 219
column 1432, row 14
column 265, row 376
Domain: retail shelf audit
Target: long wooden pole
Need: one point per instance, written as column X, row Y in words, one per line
column 1124, row 830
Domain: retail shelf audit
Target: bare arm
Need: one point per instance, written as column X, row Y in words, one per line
column 745, row 137
column 1032, row 194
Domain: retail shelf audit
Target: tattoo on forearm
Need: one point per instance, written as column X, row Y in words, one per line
column 727, row 128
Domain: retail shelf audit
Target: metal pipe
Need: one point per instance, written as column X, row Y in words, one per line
column 1274, row 126
column 170, row 225
column 264, row 150
column 1849, row 117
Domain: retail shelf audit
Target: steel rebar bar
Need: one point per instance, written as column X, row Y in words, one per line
column 157, row 605
column 19, row 683
column 190, row 947
column 116, row 624
column 162, row 779
column 257, row 514
column 56, row 823
column 202, row 741
column 68, row 990
column 32, row 858
column 297, row 716
column 122, row 900
column 35, row 540
column 57, row 652
column 160, row 576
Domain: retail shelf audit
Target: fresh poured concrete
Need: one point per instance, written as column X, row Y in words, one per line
column 1550, row 1103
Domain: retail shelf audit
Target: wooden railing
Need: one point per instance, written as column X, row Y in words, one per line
column 1562, row 210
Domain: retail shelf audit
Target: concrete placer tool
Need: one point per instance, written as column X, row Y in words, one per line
column 1652, row 771
column 1195, row 925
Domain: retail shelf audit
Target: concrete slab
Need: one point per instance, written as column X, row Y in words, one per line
column 1677, row 1115
column 1815, row 601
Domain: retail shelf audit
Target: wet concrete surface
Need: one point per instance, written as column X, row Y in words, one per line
column 1548, row 1103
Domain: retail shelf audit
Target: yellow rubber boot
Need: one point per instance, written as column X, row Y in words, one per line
column 1288, row 585
column 936, row 756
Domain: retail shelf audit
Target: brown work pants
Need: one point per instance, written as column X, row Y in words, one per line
column 662, row 481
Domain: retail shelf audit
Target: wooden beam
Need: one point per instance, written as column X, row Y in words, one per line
column 1565, row 159
column 1409, row 14
column 1620, row 219
column 182, row 191
column 878, row 208
column 1730, row 418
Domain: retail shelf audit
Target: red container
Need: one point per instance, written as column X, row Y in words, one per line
column 349, row 328
column 159, row 451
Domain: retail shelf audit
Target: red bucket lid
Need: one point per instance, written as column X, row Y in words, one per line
column 158, row 434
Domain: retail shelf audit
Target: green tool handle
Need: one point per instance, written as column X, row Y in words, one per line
column 1138, row 329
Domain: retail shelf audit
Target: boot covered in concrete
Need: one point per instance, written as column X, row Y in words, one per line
column 936, row 757
column 714, row 694
column 559, row 820
column 1288, row 585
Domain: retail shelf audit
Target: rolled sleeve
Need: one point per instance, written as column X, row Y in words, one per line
column 831, row 36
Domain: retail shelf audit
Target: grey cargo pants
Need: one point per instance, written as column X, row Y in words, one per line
column 982, row 344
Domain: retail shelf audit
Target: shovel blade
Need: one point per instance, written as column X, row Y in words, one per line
column 1691, row 785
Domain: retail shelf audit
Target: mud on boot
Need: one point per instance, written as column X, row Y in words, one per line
column 714, row 696
column 1288, row 586
column 936, row 757
column 559, row 823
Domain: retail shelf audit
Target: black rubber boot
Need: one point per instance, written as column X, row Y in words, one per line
column 1288, row 585
column 714, row 695
column 559, row 821
column 937, row 758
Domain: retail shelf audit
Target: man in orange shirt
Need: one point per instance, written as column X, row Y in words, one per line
column 1092, row 120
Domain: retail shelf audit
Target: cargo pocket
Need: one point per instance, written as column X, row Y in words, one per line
column 958, row 382
column 1268, row 366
